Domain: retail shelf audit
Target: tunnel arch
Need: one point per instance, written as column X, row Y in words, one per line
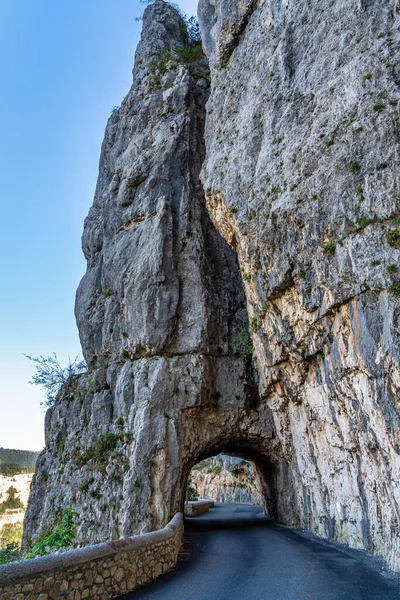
column 271, row 475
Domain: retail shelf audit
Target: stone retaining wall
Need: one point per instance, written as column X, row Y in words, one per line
column 198, row 507
column 96, row 572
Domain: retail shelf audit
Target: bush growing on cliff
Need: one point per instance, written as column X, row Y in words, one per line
column 191, row 53
column 191, row 491
column 62, row 537
column 329, row 248
column 395, row 290
column 242, row 345
column 10, row 553
column 393, row 238
column 51, row 376
column 99, row 451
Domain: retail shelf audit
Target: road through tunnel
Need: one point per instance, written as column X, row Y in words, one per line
column 239, row 472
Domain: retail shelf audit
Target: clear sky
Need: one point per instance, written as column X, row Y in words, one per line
column 64, row 65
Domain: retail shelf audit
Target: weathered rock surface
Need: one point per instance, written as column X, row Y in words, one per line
column 302, row 179
column 227, row 479
column 301, row 182
column 157, row 310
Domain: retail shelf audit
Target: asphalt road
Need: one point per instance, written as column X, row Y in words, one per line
column 233, row 552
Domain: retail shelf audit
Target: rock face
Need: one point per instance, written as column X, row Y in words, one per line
column 302, row 179
column 158, row 311
column 296, row 227
column 227, row 479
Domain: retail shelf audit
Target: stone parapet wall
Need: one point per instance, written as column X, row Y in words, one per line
column 198, row 507
column 96, row 572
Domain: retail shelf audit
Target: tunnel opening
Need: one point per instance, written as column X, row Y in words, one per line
column 225, row 478
column 241, row 473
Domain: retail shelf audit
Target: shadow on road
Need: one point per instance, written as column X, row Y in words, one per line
column 234, row 552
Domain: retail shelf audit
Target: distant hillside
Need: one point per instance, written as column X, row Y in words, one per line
column 17, row 461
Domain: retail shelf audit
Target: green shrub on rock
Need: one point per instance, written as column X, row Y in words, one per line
column 62, row 537
column 242, row 345
column 393, row 238
column 395, row 290
column 329, row 248
column 9, row 554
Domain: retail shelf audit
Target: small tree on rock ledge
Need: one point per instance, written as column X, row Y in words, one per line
column 52, row 376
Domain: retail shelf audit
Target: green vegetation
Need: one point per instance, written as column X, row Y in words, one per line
column 364, row 221
column 9, row 553
column 125, row 354
column 214, row 469
column 51, row 376
column 12, row 502
column 191, row 492
column 381, row 166
column 393, row 238
column 320, row 356
column 246, row 277
column 378, row 107
column 99, row 452
column 60, row 443
column 253, row 323
column 329, row 248
column 10, row 535
column 84, row 487
column 242, row 345
column 107, row 293
column 391, row 269
column 158, row 66
column 61, row 537
column 395, row 290
column 200, row 465
column 190, row 54
column 120, row 423
column 354, row 167
column 44, row 477
column 233, row 210
column 186, row 54
column 10, row 469
column 10, row 542
column 23, row 458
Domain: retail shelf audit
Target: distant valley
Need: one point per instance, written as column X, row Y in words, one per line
column 16, row 472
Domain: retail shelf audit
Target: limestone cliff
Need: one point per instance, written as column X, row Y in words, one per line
column 302, row 179
column 157, row 311
column 227, row 479
column 301, row 185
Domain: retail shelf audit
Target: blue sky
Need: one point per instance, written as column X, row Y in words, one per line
column 64, row 65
